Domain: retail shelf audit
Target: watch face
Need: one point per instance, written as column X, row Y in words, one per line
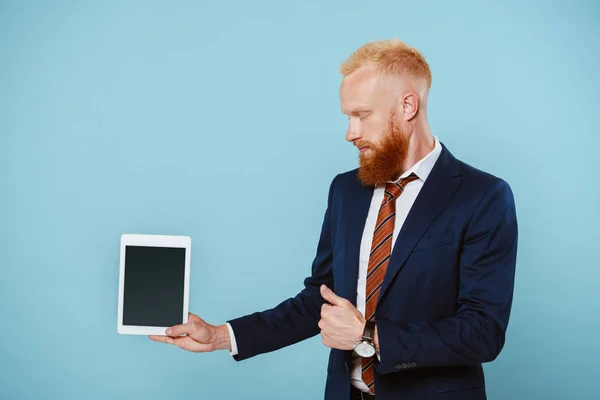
column 364, row 349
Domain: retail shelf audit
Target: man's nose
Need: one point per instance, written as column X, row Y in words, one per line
column 352, row 133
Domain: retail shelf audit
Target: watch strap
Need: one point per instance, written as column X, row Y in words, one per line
column 369, row 330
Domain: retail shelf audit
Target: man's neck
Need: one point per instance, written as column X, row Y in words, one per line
column 420, row 144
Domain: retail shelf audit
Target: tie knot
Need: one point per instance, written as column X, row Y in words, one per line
column 395, row 189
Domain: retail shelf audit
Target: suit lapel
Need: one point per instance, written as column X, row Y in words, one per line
column 439, row 187
column 358, row 203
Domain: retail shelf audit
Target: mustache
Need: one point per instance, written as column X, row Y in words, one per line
column 363, row 143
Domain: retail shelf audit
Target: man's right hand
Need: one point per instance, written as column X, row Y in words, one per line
column 200, row 337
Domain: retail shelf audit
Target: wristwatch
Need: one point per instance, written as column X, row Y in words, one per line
column 364, row 347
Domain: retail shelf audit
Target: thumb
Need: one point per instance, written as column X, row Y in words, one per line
column 331, row 297
column 194, row 324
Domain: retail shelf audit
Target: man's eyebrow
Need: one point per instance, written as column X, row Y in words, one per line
column 360, row 110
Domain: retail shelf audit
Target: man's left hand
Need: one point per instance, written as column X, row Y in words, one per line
column 341, row 323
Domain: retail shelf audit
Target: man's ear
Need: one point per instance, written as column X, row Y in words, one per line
column 409, row 106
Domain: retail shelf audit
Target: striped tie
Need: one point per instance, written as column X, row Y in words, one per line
column 381, row 250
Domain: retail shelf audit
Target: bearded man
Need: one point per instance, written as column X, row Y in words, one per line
column 412, row 282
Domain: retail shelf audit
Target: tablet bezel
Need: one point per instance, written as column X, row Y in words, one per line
column 152, row 241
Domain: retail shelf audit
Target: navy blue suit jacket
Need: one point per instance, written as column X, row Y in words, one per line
column 446, row 297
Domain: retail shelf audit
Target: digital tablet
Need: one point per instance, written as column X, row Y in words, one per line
column 154, row 283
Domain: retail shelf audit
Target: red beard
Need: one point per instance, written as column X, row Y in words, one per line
column 384, row 161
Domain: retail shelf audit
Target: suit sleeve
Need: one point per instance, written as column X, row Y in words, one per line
column 295, row 319
column 476, row 333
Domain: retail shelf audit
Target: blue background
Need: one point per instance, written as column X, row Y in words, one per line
column 220, row 120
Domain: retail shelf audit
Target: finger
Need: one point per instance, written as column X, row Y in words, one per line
column 325, row 308
column 182, row 329
column 185, row 343
column 332, row 298
column 325, row 339
column 162, row 339
column 321, row 324
column 193, row 317
column 194, row 323
column 189, row 344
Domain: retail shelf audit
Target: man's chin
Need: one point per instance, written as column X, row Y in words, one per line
column 370, row 177
column 365, row 157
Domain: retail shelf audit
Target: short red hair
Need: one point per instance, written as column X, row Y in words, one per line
column 392, row 57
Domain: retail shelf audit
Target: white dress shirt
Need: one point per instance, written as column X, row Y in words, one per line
column 403, row 205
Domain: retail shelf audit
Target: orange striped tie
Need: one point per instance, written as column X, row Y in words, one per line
column 381, row 250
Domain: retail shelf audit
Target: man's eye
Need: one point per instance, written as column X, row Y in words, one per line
column 362, row 117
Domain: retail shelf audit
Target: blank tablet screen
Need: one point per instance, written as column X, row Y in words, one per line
column 153, row 286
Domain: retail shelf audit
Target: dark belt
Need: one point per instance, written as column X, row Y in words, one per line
column 356, row 394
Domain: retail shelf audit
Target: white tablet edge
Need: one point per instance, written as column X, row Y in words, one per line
column 155, row 241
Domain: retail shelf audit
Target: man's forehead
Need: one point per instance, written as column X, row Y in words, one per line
column 361, row 90
column 363, row 78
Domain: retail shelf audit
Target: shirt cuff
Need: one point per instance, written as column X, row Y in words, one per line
column 234, row 349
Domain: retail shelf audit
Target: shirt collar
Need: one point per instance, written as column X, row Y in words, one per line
column 423, row 167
